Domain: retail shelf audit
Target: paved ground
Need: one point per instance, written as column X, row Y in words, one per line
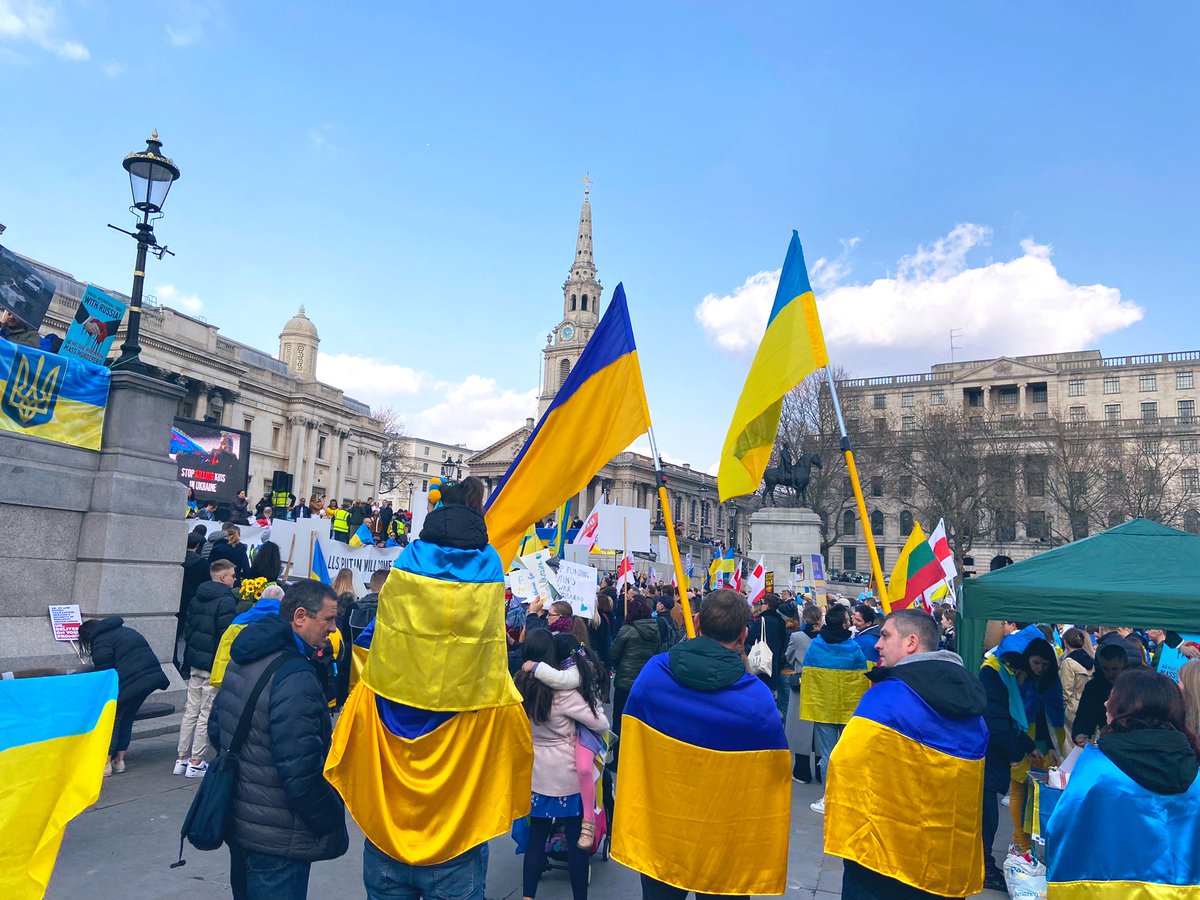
column 123, row 846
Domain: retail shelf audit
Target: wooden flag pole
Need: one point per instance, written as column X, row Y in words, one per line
column 312, row 539
column 291, row 550
column 859, row 499
column 669, row 519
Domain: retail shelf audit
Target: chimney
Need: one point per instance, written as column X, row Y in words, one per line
column 529, row 423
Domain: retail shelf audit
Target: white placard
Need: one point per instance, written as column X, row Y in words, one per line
column 521, row 584
column 577, row 584
column 542, row 575
column 65, row 619
column 619, row 524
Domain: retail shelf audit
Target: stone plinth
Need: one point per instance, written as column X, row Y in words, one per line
column 779, row 533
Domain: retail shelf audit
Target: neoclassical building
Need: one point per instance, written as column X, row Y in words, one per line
column 326, row 440
column 629, row 478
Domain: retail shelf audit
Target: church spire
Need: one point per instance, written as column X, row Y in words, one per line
column 584, row 265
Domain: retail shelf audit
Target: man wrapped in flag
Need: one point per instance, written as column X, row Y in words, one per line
column 703, row 803
column 433, row 753
column 916, row 830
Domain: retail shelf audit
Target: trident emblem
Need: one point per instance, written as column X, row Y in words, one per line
column 31, row 396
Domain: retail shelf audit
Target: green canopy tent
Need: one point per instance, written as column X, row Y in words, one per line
column 1139, row 574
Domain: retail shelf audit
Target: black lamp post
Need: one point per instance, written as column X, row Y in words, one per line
column 703, row 506
column 733, row 511
column 150, row 178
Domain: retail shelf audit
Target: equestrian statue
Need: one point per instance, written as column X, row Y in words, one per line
column 795, row 475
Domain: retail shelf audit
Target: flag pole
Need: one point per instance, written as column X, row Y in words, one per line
column 676, row 561
column 852, row 470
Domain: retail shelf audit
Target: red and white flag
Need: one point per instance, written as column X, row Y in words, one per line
column 941, row 550
column 591, row 525
column 758, row 581
column 625, row 574
column 737, row 577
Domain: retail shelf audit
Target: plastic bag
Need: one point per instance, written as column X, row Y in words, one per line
column 1025, row 876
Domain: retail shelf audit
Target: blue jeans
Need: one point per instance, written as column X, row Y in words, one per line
column 461, row 878
column 827, row 737
column 260, row 876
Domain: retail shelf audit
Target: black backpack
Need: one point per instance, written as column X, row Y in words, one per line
column 667, row 635
column 362, row 614
column 208, row 816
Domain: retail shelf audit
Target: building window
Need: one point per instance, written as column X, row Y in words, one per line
column 1007, row 396
column 564, row 369
column 1075, row 387
column 882, row 551
column 1035, row 482
column 1151, row 448
column 1041, row 415
column 574, row 300
column 975, row 398
column 938, row 398
column 1190, row 479
column 1006, row 525
column 424, row 467
column 321, row 446
column 1039, row 394
column 247, row 424
column 908, row 423
column 1191, row 522
column 1147, row 382
column 1112, row 384
column 692, row 520
column 1183, row 381
column 877, row 523
column 424, row 485
column 906, row 486
column 976, row 421
column 881, row 401
column 1150, row 411
column 1078, row 413
column 876, row 485
column 1112, row 413
column 1009, row 419
column 850, row 555
column 426, row 451
column 906, row 523
column 880, row 427
column 1189, row 445
column 583, row 302
column 908, row 398
column 848, row 522
column 1035, row 525
column 1187, row 412
column 275, row 438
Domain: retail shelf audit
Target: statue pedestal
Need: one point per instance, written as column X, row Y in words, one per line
column 781, row 533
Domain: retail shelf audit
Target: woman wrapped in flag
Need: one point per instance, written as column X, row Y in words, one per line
column 433, row 753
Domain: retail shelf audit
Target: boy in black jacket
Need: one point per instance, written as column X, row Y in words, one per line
column 209, row 613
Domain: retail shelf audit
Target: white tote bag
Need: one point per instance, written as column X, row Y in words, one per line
column 760, row 660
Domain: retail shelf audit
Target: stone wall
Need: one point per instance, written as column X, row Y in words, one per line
column 102, row 529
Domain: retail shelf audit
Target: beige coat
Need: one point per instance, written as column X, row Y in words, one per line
column 1073, row 677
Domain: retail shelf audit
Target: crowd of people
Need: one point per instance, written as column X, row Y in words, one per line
column 915, row 747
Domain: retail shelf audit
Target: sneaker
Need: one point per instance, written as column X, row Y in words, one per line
column 818, row 807
column 993, row 880
column 118, row 766
column 107, row 767
column 196, row 771
column 181, row 766
column 1004, row 802
column 799, row 780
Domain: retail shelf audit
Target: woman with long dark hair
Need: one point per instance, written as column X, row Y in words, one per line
column 1126, row 824
column 554, row 716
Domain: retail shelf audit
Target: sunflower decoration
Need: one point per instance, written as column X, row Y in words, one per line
column 252, row 588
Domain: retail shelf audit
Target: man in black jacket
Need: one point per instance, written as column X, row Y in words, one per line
column 209, row 613
column 772, row 628
column 284, row 815
column 195, row 573
column 1111, row 661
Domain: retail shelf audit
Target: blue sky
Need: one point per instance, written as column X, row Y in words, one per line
column 412, row 176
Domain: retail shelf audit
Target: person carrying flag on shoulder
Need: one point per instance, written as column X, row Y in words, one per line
column 922, row 721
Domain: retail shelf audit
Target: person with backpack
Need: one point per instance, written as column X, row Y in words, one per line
column 668, row 634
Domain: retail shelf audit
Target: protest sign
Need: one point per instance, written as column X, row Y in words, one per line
column 65, row 619
column 543, row 577
column 521, row 584
column 24, row 291
column 623, row 528
column 577, row 585
column 97, row 319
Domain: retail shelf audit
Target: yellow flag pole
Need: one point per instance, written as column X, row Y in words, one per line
column 676, row 560
column 859, row 499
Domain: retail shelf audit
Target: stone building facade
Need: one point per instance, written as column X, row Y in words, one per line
column 328, row 442
column 1100, row 416
column 414, row 461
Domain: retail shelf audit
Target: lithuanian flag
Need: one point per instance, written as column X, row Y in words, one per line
column 691, row 791
column 916, row 574
column 54, row 737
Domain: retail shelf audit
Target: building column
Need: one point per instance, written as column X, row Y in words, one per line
column 295, row 461
column 201, row 404
column 987, row 399
column 311, row 436
column 1021, row 399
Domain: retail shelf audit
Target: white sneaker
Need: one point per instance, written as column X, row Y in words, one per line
column 118, row 766
column 107, row 767
column 818, row 807
column 196, row 771
column 1004, row 802
column 180, row 766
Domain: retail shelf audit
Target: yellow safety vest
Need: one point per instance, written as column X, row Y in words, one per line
column 341, row 520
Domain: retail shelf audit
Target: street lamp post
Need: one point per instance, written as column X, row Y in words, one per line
column 150, row 178
column 703, row 506
column 733, row 511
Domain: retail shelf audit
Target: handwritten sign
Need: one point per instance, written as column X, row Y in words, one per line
column 577, row 584
column 521, row 584
column 65, row 620
column 543, row 577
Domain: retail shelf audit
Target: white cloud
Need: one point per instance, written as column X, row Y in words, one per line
column 902, row 323
column 189, row 20
column 36, row 21
column 113, row 69
column 375, row 382
column 475, row 411
column 169, row 295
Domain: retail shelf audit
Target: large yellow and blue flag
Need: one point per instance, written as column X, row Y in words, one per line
column 934, row 845
column 58, row 398
column 732, row 739
column 362, row 537
column 319, row 570
column 266, row 606
column 562, row 525
column 792, row 348
column 54, row 738
column 433, row 753
column 834, row 681
column 600, row 409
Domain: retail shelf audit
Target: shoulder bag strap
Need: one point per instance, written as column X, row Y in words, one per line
column 243, row 725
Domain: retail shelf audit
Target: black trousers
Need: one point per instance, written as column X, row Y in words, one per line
column 861, row 883
column 656, row 890
column 991, row 822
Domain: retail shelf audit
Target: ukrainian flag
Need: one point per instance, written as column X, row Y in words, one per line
column 792, row 348
column 597, row 413
column 54, row 738
column 433, row 753
column 560, row 531
column 671, row 830
column 319, row 570
column 834, row 681
column 267, row 606
column 58, row 398
column 1112, row 839
column 931, row 843
column 362, row 537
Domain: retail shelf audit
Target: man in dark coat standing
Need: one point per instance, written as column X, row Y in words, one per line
column 285, row 815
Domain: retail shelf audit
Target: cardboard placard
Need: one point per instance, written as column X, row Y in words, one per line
column 65, row 619
column 621, row 524
column 577, row 585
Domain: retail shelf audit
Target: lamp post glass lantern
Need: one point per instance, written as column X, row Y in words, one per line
column 150, row 178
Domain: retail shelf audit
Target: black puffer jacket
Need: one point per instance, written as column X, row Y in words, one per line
column 635, row 644
column 282, row 805
column 455, row 526
column 208, row 615
column 116, row 646
column 235, row 553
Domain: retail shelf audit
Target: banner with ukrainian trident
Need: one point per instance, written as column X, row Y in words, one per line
column 53, row 397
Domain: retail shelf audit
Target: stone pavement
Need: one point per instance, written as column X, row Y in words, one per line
column 123, row 846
